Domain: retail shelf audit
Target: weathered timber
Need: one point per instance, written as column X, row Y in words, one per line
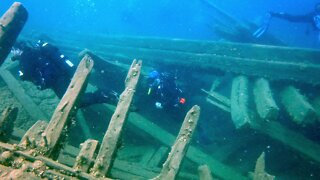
column 285, row 70
column 288, row 137
column 259, row 172
column 265, row 104
column 48, row 162
column 194, row 154
column 217, row 100
column 297, row 106
column 147, row 155
column 67, row 106
column 204, row 173
column 33, row 136
column 173, row 163
column 85, row 157
column 249, row 59
column 110, row 141
column 11, row 23
column 18, row 91
column 9, row 115
column 157, row 157
column 239, row 102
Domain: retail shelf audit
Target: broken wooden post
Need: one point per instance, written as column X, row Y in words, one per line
column 67, row 106
column 11, row 24
column 204, row 173
column 33, row 136
column 265, row 104
column 7, row 119
column 173, row 163
column 239, row 102
column 85, row 157
column 111, row 139
column 259, row 171
column 297, row 106
column 218, row 100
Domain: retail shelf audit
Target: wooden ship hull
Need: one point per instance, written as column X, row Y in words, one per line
column 35, row 147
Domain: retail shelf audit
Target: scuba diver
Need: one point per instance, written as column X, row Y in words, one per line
column 164, row 90
column 45, row 66
column 312, row 18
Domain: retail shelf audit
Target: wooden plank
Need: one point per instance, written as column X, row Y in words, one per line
column 239, row 102
column 194, row 154
column 11, row 23
column 33, row 136
column 48, row 162
column 18, row 91
column 66, row 108
column 301, row 110
column 204, row 173
column 111, row 138
column 9, row 115
column 217, row 100
column 251, row 60
column 147, row 155
column 288, row 137
column 173, row 163
column 265, row 104
column 259, row 172
column 86, row 155
column 157, row 157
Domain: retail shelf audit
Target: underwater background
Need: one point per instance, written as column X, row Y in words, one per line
column 176, row 19
column 190, row 20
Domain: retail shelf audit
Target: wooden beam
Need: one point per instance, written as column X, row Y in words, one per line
column 265, row 104
column 9, row 115
column 204, row 173
column 173, row 163
column 86, row 156
column 67, row 106
column 239, row 102
column 260, row 172
column 11, row 23
column 157, row 157
column 18, row 91
column 33, row 137
column 288, row 137
column 301, row 110
column 111, row 138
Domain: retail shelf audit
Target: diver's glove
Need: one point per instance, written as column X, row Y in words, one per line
column 264, row 27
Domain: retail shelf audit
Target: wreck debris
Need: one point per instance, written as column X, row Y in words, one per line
column 67, row 106
column 259, row 171
column 86, row 155
column 204, row 173
column 239, row 102
column 301, row 110
column 172, row 165
column 7, row 119
column 11, row 23
column 111, row 139
column 265, row 104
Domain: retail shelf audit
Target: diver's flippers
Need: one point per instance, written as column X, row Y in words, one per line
column 264, row 27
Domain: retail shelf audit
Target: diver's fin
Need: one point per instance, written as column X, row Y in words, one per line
column 264, row 27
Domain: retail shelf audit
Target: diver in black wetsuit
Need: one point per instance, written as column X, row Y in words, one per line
column 164, row 90
column 45, row 66
column 312, row 18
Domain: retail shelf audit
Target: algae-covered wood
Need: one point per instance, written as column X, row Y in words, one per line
column 67, row 106
column 11, row 23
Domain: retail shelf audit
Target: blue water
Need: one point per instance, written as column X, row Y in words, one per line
column 192, row 19
column 179, row 19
